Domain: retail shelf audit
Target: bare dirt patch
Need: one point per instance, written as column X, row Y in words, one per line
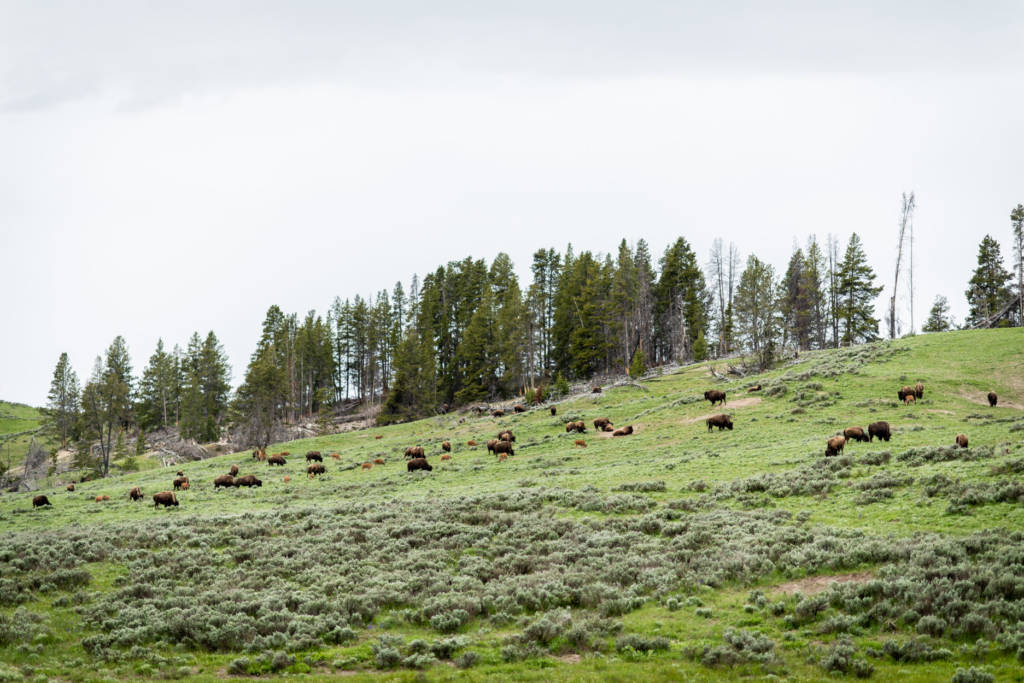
column 568, row 659
column 738, row 403
column 817, row 584
column 981, row 399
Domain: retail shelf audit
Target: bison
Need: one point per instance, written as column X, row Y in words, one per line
column 71, row 487
column 233, row 471
column 919, row 390
column 418, row 464
column 855, row 434
column 135, row 494
column 40, row 501
column 498, row 413
column 446, row 456
column 446, row 446
column 904, row 392
column 756, row 387
column 519, row 408
column 623, row 431
column 179, row 482
column 596, row 390
column 879, row 429
column 491, row 444
column 415, row 452
column 503, row 456
column 601, row 422
column 503, row 447
column 180, row 473
column 315, row 469
column 99, row 499
column 908, row 399
column 961, row 440
column 581, row 443
column 720, row 421
column 287, row 479
column 715, row 396
column 554, row 410
column 992, row 399
column 314, row 455
column 471, row 443
column 378, row 461
column 608, row 428
column 506, row 435
column 276, row 459
column 223, row 480
column 336, row 456
column 576, row 426
column 444, row 408
column 165, row 498
column 249, row 480
column 367, row 465
column 835, row 445
column 379, row 436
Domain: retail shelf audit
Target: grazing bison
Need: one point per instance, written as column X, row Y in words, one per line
column 233, row 471
column 491, row 444
column 554, row 410
column 596, row 390
column 446, row 446
column 498, row 413
column 519, row 408
column 581, row 443
column 835, row 445
column 715, row 396
column 919, row 390
column 992, row 399
column 336, row 456
column 367, row 465
column 855, row 434
column 314, row 455
column 879, row 429
column 99, row 499
column 418, row 464
column 756, row 387
column 223, row 480
column 276, row 459
column 601, row 422
column 179, row 482
column 378, row 461
column 180, row 473
column 720, row 421
column 165, row 498
column 40, row 501
column 249, row 480
column 623, row 431
column 415, row 452
column 70, row 487
column 908, row 399
column 576, row 426
column 135, row 494
column 503, row 447
column 961, row 440
column 904, row 392
column 506, row 435
column 315, row 469
column 446, row 456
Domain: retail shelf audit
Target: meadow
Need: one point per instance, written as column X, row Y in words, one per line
column 18, row 422
column 674, row 553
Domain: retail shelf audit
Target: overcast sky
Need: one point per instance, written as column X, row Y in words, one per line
column 171, row 167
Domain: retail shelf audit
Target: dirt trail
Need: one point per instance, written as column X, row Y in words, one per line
column 981, row 399
column 738, row 403
column 817, row 584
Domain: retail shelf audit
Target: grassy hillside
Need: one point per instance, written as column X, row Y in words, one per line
column 17, row 424
column 671, row 553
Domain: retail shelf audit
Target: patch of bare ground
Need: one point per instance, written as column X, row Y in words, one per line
column 816, row 584
column 568, row 659
column 738, row 403
column 981, row 399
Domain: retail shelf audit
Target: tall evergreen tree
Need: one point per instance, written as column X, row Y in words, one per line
column 855, row 295
column 60, row 417
column 107, row 405
column 757, row 314
column 680, row 303
column 159, row 390
column 813, row 288
column 988, row 291
column 938, row 318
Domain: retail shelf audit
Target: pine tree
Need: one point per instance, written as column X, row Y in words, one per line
column 855, row 295
column 813, row 292
column 988, row 291
column 638, row 366
column 700, row 348
column 159, row 390
column 757, row 316
column 938, row 318
column 681, row 302
column 107, row 405
column 60, row 417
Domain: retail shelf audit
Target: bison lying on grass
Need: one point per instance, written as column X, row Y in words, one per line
column 623, row 431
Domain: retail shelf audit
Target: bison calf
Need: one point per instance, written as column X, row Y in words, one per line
column 418, row 464
column 378, row 461
column 879, row 429
column 367, row 465
column 992, row 399
column 70, row 487
column 715, row 396
column 165, row 498
column 961, row 440
column 908, row 399
column 581, row 443
column 835, row 445
column 756, row 387
column 223, row 480
column 624, row 431
column 179, row 482
column 40, row 501
column 446, row 456
column 720, row 421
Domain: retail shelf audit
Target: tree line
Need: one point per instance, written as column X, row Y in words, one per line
column 469, row 332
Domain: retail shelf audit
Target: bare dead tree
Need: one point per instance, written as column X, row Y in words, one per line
column 906, row 215
column 910, row 243
column 833, row 286
column 716, row 274
column 733, row 273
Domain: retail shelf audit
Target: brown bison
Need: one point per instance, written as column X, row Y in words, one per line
column 601, row 422
column 919, row 390
column 446, row 456
column 720, row 421
column 879, row 429
column 623, row 431
column 314, row 455
column 596, row 390
column 491, row 444
column 379, row 436
column 904, row 392
column 471, row 443
column 179, row 482
column 519, row 408
column 835, row 445
column 259, row 454
column 554, row 410
column 276, row 459
column 336, row 456
column 503, row 447
column 855, row 434
column 503, row 456
column 223, row 480
column 378, row 461
column 506, row 435
column 576, row 426
column 992, row 399
column 165, row 498
column 40, row 501
column 315, row 469
column 908, row 399
column 287, row 479
column 180, row 473
column 249, row 480
column 135, row 494
column 715, row 396
column 284, row 454
column 99, row 499
column 498, row 413
column 367, row 465
column 581, row 443
column 418, row 464
column 608, row 428
column 961, row 440
column 233, row 471
column 756, row 387
column 446, row 446
column 70, row 487
column 415, row 452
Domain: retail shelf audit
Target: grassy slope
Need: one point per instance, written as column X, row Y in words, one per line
column 17, row 422
column 778, row 434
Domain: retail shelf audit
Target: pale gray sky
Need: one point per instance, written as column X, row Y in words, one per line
column 170, row 167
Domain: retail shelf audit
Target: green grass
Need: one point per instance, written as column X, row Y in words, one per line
column 18, row 423
column 672, row 513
